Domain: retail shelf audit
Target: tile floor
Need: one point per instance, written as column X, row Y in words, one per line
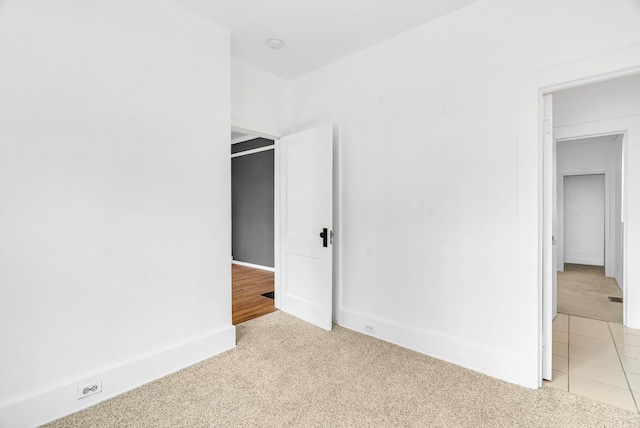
column 597, row 359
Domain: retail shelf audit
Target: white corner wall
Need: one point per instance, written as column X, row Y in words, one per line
column 432, row 196
column 115, row 199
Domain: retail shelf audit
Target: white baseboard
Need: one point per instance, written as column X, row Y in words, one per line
column 493, row 363
column 584, row 261
column 251, row 265
column 618, row 282
column 61, row 400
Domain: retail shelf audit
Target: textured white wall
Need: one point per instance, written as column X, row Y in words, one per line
column 429, row 170
column 115, row 195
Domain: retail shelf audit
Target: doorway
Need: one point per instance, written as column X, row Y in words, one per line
column 584, row 149
column 303, row 219
column 533, row 237
column 589, row 227
column 252, row 226
column 588, row 150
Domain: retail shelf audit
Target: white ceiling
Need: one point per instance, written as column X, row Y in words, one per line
column 315, row 32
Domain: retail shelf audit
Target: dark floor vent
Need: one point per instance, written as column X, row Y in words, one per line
column 270, row 295
column 615, row 299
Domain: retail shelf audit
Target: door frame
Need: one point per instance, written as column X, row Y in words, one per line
column 264, row 130
column 531, row 89
column 607, row 217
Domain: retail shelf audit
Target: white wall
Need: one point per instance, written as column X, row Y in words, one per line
column 584, row 226
column 257, row 98
column 115, row 199
column 599, row 101
column 429, row 171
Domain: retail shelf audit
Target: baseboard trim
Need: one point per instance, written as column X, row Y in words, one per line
column 251, row 265
column 581, row 261
column 493, row 363
column 618, row 283
column 61, row 400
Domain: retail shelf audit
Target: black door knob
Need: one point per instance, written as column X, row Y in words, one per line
column 324, row 235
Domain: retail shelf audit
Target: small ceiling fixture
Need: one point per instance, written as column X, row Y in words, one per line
column 275, row 44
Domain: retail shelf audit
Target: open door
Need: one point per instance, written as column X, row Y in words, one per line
column 304, row 284
column 549, row 256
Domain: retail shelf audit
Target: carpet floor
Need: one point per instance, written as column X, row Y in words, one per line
column 286, row 373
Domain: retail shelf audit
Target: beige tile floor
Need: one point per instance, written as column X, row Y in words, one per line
column 597, row 359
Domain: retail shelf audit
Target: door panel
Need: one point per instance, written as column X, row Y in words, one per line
column 306, row 208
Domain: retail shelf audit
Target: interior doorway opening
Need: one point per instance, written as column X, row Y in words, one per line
column 303, row 219
column 252, row 226
column 587, row 166
column 589, row 233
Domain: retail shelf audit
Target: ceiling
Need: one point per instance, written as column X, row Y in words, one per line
column 314, row 32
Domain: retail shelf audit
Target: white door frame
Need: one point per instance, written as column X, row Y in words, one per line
column 608, row 264
column 260, row 129
column 531, row 88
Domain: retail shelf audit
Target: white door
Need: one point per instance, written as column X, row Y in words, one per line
column 304, row 284
column 549, row 258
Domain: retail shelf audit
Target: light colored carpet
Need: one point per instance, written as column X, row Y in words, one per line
column 584, row 291
column 286, row 373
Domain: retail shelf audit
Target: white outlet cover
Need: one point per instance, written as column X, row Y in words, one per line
column 98, row 388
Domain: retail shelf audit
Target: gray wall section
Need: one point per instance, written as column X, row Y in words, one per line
column 250, row 144
column 252, row 208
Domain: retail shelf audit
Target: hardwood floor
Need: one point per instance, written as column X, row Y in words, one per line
column 248, row 286
column 584, row 291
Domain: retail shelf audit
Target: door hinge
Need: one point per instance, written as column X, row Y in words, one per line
column 547, row 126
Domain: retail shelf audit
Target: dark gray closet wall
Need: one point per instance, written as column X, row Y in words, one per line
column 252, row 204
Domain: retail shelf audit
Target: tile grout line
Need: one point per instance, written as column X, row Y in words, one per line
column 633, row 397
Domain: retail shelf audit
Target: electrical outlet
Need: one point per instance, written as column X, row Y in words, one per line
column 369, row 328
column 89, row 389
